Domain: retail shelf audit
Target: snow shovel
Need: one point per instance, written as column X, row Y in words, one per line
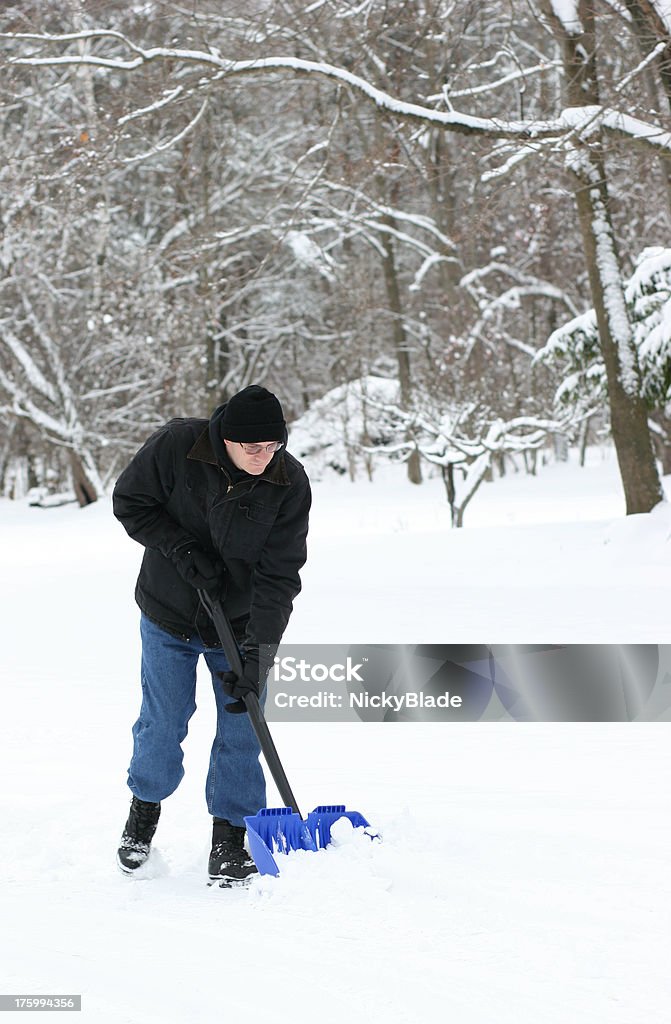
column 276, row 830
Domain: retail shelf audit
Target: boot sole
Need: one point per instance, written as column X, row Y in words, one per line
column 126, row 870
column 226, row 882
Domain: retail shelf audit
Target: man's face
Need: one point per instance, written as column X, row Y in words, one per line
column 248, row 458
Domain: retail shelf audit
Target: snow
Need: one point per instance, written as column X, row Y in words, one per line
column 307, row 252
column 458, row 121
column 567, row 12
column 326, row 435
column 613, row 296
column 34, row 375
column 523, row 870
column 649, row 294
column 648, row 297
column 663, row 8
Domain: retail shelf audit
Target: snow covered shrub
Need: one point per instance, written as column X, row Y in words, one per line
column 336, row 431
column 574, row 347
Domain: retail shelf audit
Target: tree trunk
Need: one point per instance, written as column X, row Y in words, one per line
column 448, row 479
column 85, row 491
column 628, row 415
column 584, row 439
column 400, row 340
column 650, row 29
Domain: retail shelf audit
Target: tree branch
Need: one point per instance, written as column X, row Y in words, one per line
column 613, row 121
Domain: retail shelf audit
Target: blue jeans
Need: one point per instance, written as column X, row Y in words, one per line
column 235, row 783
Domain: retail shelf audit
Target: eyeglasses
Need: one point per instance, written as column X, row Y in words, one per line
column 254, row 449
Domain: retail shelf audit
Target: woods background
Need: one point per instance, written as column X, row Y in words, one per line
column 174, row 226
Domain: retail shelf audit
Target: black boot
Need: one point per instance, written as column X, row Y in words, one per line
column 137, row 835
column 229, row 861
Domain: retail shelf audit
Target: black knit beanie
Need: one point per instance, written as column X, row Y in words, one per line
column 254, row 414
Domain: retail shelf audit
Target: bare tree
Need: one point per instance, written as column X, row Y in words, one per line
column 497, row 62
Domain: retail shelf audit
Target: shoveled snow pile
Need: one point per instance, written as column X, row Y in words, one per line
column 354, row 862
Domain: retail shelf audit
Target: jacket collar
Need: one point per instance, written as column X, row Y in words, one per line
column 202, row 451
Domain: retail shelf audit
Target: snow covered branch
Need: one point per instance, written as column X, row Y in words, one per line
column 514, row 76
column 525, row 286
column 161, row 147
column 613, row 121
column 465, row 457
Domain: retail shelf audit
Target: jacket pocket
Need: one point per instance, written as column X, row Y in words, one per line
column 257, row 512
column 249, row 529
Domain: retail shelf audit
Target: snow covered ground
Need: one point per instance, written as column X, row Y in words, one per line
column 547, row 559
column 523, row 875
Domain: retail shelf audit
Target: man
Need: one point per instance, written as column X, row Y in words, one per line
column 219, row 506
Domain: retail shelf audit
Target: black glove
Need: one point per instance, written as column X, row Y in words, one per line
column 202, row 570
column 240, row 686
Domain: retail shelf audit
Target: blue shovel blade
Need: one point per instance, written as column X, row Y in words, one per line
column 320, row 820
column 279, row 830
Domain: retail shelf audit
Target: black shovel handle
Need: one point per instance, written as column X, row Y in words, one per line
column 251, row 701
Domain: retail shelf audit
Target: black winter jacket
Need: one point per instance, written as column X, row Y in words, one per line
column 174, row 491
